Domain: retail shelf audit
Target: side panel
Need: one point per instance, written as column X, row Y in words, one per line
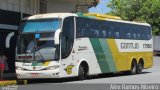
column 108, row 55
column 113, row 55
column 82, row 51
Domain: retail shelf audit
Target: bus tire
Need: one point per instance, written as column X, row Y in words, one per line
column 133, row 67
column 139, row 67
column 81, row 73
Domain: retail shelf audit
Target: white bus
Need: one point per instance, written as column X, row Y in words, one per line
column 59, row 45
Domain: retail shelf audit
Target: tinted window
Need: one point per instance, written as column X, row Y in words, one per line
column 67, row 36
column 92, row 28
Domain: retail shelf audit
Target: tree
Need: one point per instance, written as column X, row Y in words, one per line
column 138, row 10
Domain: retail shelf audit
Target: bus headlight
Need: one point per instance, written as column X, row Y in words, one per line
column 52, row 67
column 19, row 68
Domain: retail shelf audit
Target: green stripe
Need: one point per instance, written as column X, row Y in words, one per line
column 108, row 55
column 34, row 64
column 100, row 55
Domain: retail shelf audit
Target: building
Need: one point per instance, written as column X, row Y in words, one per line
column 68, row 5
column 11, row 12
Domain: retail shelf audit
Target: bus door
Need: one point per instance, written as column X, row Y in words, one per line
column 67, row 40
column 67, row 55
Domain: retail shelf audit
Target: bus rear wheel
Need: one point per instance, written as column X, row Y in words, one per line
column 139, row 67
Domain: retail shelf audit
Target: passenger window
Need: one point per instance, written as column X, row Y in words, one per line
column 149, row 36
column 104, row 35
column 134, row 35
column 138, row 36
column 92, row 33
column 117, row 35
column 96, row 33
column 78, row 33
column 110, row 34
column 83, row 31
column 143, row 36
column 128, row 35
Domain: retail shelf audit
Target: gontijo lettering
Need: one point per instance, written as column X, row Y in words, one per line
column 129, row 46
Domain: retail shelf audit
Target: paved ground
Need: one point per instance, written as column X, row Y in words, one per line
column 149, row 76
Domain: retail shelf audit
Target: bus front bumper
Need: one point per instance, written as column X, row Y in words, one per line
column 37, row 74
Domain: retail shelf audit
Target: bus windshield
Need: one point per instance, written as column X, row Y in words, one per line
column 40, row 25
column 32, row 48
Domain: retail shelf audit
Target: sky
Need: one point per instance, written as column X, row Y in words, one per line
column 101, row 7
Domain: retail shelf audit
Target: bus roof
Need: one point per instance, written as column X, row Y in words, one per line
column 50, row 15
column 130, row 22
column 88, row 15
column 114, row 19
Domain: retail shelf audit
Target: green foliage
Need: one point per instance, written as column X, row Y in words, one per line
column 138, row 10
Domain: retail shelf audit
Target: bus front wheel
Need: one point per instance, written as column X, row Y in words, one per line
column 139, row 67
column 81, row 73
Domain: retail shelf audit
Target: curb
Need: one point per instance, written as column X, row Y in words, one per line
column 22, row 82
column 13, row 82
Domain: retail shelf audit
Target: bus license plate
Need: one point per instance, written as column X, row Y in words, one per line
column 34, row 74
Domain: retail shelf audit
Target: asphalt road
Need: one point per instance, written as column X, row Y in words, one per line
column 100, row 82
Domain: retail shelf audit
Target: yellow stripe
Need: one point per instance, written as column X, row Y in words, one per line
column 112, row 45
column 114, row 52
column 46, row 63
column 5, row 83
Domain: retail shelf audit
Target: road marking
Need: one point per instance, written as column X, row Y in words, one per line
column 10, row 82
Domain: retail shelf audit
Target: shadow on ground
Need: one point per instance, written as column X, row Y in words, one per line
column 63, row 80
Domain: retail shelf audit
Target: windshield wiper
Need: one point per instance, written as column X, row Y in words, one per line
column 36, row 49
column 40, row 55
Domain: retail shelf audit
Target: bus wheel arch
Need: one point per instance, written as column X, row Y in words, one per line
column 83, row 70
column 140, row 66
column 133, row 66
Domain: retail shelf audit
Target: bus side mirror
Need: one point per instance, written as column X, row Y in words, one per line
column 57, row 36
